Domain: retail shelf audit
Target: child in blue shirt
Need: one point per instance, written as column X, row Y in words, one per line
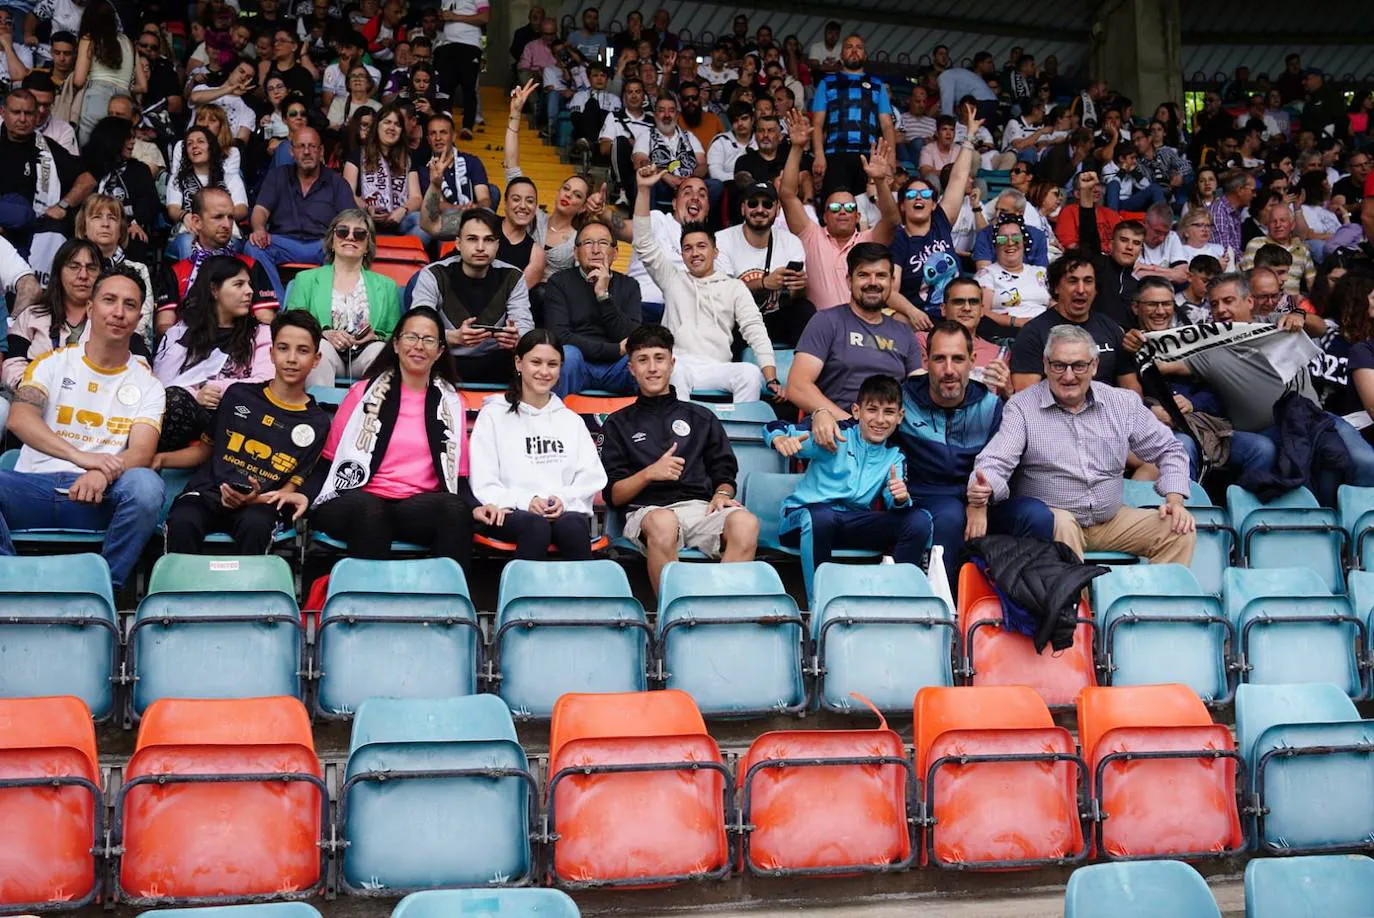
column 833, row 507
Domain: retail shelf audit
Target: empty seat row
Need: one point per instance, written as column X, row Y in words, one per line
column 433, row 903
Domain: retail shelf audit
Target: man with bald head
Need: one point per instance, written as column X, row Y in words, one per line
column 295, row 207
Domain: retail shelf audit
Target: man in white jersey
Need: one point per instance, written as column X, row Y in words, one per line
column 89, row 416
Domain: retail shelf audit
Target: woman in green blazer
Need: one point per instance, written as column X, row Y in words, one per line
column 357, row 308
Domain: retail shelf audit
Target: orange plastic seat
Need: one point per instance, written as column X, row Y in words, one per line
column 194, row 830
column 1000, row 782
column 401, row 248
column 635, row 791
column 808, row 817
column 50, row 804
column 1164, row 775
column 1000, row 657
column 447, row 247
column 598, row 544
column 598, row 404
column 399, row 271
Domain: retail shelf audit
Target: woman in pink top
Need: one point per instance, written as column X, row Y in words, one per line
column 398, row 453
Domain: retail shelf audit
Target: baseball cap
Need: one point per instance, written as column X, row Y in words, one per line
column 764, row 189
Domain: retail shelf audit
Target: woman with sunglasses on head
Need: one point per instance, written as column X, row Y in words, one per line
column 216, row 122
column 1013, row 291
column 357, row 308
column 534, row 460
column 398, row 455
column 354, row 136
column 361, row 90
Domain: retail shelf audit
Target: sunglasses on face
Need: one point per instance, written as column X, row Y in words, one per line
column 965, row 301
column 1014, row 239
column 1020, row 172
column 758, row 202
column 295, row 113
column 358, row 233
column 925, row 194
column 848, row 207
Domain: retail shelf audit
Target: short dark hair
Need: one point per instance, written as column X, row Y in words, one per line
column 68, row 37
column 1271, row 255
column 483, row 216
column 739, row 110
column 866, row 253
column 965, row 280
column 298, row 318
column 945, row 121
column 1153, row 282
column 1206, row 265
column 1122, row 151
column 950, row 327
column 1128, row 226
column 39, row 80
column 1071, row 260
column 646, row 336
column 696, row 226
column 880, row 388
column 981, row 56
column 121, row 270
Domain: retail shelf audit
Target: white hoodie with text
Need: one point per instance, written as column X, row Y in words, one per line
column 516, row 456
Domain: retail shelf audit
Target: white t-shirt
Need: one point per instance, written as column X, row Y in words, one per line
column 90, row 407
column 1016, row 129
column 822, row 52
column 463, row 32
column 606, row 101
column 1024, row 294
column 1188, row 253
column 725, row 150
column 1167, row 253
column 12, row 266
column 240, row 116
column 736, row 257
column 623, row 124
column 670, row 150
column 668, row 232
column 1319, row 219
column 717, row 79
column 336, row 81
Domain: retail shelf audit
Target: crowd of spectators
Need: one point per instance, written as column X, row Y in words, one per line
column 968, row 360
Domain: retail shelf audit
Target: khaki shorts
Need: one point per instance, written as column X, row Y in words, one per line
column 695, row 527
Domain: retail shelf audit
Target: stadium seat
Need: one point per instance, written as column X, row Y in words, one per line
column 437, row 794
column 743, row 425
column 399, row 271
column 328, row 397
column 782, row 359
column 328, row 543
column 402, row 248
column 733, row 640
column 1356, row 509
column 51, row 541
column 1310, row 776
column 1315, row 886
column 1147, row 889
column 1164, row 775
column 396, row 629
column 762, row 494
column 174, row 482
column 994, row 655
column 58, row 608
column 619, row 542
column 599, row 405
column 51, row 811
column 216, row 628
column 1291, row 629
column 260, row 910
column 635, row 791
column 567, row 626
column 1156, row 626
column 1216, row 539
column 487, row 903
column 878, row 631
column 862, row 827
column 220, row 799
column 1000, row 781
column 1288, row 527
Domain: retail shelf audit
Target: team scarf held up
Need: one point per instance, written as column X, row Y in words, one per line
column 1288, row 354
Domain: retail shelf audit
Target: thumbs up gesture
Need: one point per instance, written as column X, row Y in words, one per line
column 979, row 491
column 668, row 467
column 790, row 446
column 897, row 487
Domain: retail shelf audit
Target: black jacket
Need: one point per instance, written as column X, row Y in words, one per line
column 1308, row 444
column 635, row 437
column 596, row 328
column 1039, row 579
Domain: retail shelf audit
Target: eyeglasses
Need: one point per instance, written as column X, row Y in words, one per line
column 1019, row 171
column 758, row 202
column 1267, row 297
column 848, row 207
column 410, row 339
column 1014, row 239
column 82, row 267
column 1079, row 367
column 597, row 243
column 1158, row 303
column 358, row 233
column 924, row 194
column 295, row 113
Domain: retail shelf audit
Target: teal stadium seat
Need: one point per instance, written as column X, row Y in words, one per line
column 782, row 358
column 487, row 903
column 1143, row 889
column 1315, row 886
column 1356, row 508
column 1216, row 540
column 173, row 483
column 1291, row 629
column 732, row 640
column 743, row 423
column 58, row 609
column 878, row 631
column 1289, row 527
column 437, row 794
column 567, row 626
column 615, row 533
column 260, row 910
column 397, row 629
column 216, row 628
column 1155, row 624
column 1310, row 775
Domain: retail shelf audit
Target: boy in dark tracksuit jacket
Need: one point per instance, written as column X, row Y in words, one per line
column 670, row 467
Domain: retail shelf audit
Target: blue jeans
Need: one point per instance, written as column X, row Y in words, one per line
column 819, row 529
column 579, row 374
column 128, row 514
column 1257, row 451
column 1016, row 516
column 909, row 151
column 285, row 250
column 410, row 226
column 652, row 313
column 1136, row 200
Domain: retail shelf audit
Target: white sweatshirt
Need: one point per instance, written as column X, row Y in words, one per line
column 516, row 456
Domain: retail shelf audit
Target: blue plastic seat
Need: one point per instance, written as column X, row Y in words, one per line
column 1290, row 527
column 878, row 631
column 1356, row 508
column 1315, row 886
column 732, row 640
column 328, row 397
column 216, row 628
column 324, row 539
column 58, row 631
column 259, row 910
column 397, row 629
column 782, row 359
column 1215, row 538
column 1155, row 625
column 1291, row 629
column 1139, row 889
column 1308, row 768
column 615, row 532
column 487, row 903
column 762, row 494
column 437, row 793
column 567, row 626
column 742, row 420
column 754, row 457
column 51, row 539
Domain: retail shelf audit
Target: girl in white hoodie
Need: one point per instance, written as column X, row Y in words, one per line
column 534, row 460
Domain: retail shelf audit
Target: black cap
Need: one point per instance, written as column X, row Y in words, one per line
column 760, row 188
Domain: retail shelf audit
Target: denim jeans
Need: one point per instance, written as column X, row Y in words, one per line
column 1136, row 200
column 410, row 226
column 1257, row 451
column 285, row 250
column 579, row 374
column 819, row 529
column 128, row 514
column 1016, row 516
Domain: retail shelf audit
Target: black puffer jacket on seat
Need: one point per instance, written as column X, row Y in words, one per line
column 1039, row 584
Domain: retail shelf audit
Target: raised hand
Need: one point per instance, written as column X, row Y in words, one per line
column 438, row 165
column 972, row 123
column 897, row 487
column 979, row 492
column 798, row 128
column 648, row 176
column 790, row 446
column 521, row 94
column 668, row 467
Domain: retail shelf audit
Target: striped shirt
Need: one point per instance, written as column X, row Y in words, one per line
column 1304, row 267
column 1075, row 461
column 1226, row 222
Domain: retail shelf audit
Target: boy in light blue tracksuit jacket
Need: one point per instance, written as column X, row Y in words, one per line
column 833, row 505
